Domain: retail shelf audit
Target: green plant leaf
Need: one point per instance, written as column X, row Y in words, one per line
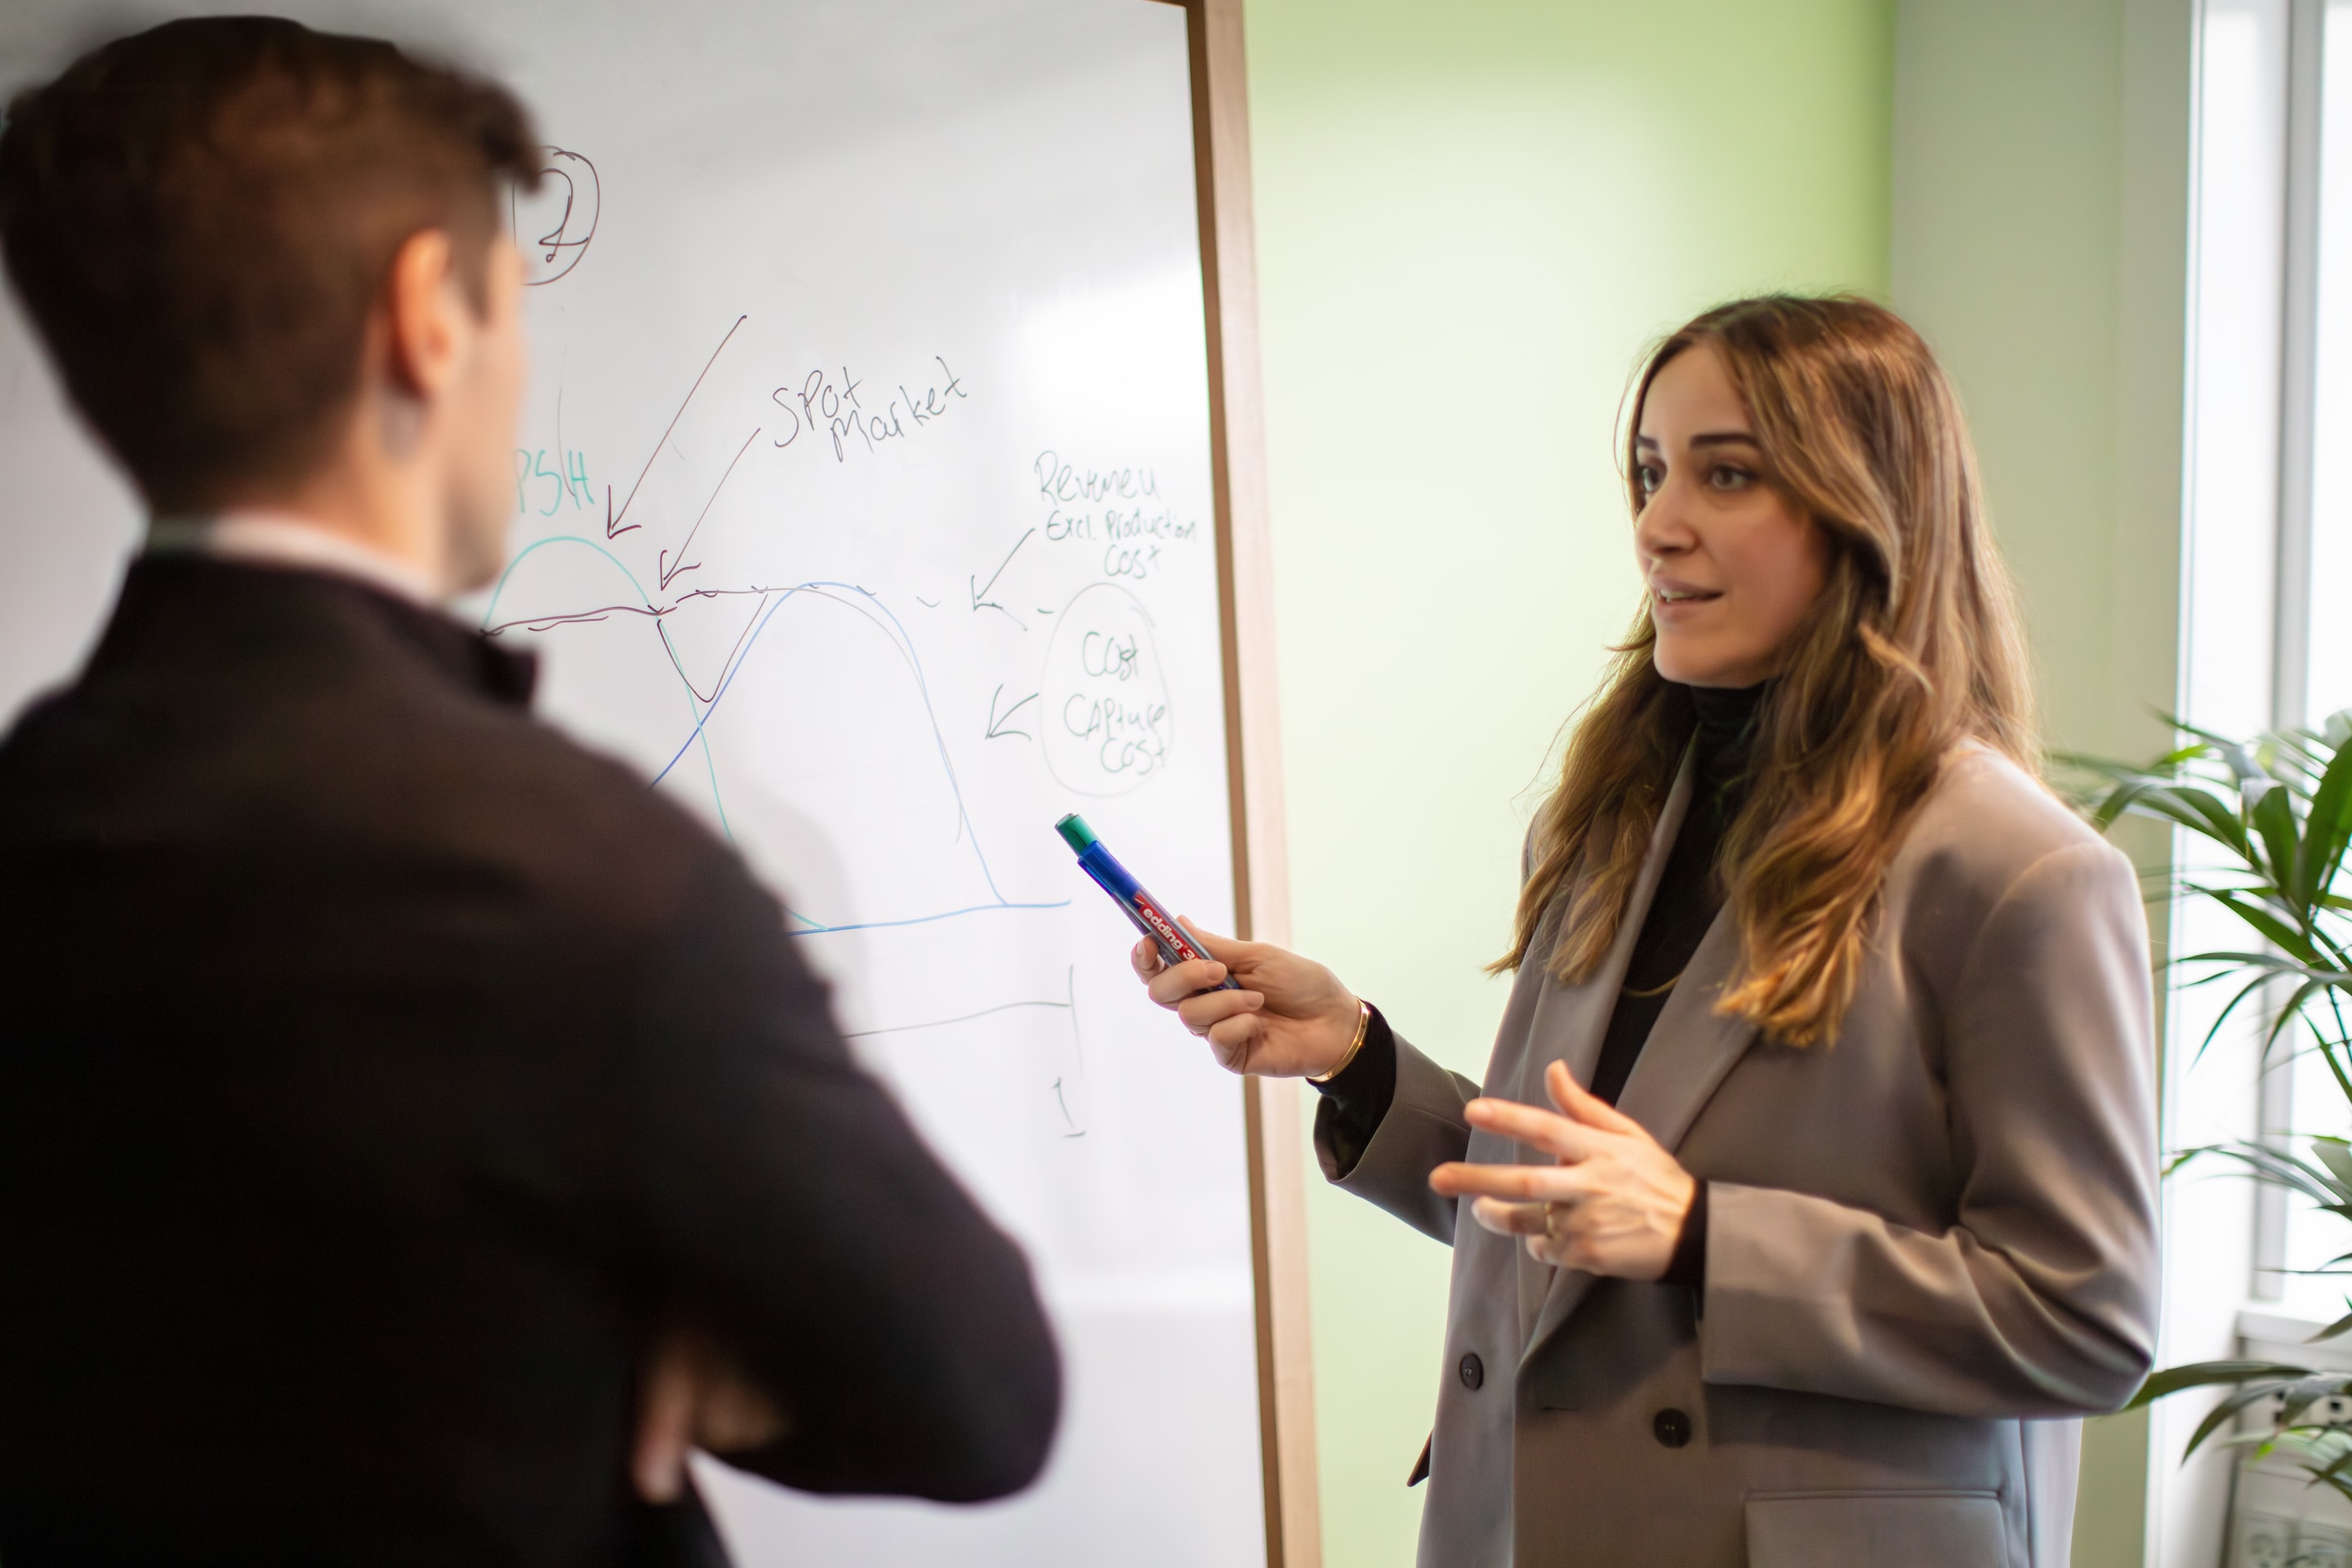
column 2273, row 929
column 2229, row 1009
column 2221, row 745
column 2191, row 806
column 2205, row 1374
column 2270, row 813
column 2327, row 829
column 2271, row 966
column 2295, row 1400
column 2279, row 1168
column 2221, row 1415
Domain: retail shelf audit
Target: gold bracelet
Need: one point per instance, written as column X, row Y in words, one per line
column 1363, row 1027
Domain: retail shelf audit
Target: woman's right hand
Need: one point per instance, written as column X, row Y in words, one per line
column 1291, row 1018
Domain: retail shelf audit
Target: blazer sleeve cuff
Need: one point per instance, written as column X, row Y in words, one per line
column 1422, row 1130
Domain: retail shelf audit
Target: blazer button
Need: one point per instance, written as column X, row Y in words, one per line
column 1473, row 1370
column 1671, row 1427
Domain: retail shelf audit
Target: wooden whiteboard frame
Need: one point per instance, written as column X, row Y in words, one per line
column 1270, row 1108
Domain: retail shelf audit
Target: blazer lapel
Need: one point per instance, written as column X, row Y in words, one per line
column 1693, row 1046
column 1690, row 1050
column 1570, row 1022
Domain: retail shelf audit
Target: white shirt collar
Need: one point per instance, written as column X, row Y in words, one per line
column 286, row 539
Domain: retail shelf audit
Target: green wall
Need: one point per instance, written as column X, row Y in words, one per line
column 2040, row 236
column 1472, row 218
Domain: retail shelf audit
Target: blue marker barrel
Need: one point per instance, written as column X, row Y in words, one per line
column 1095, row 859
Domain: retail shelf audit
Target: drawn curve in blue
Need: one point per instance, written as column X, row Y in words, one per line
column 703, row 710
column 489, row 618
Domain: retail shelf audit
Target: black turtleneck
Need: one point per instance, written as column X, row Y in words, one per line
column 1690, row 894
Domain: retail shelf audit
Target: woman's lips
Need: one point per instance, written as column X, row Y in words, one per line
column 1672, row 597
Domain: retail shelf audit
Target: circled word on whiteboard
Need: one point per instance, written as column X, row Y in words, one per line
column 1106, row 721
column 553, row 224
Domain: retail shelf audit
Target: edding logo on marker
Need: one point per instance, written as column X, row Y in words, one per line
column 1157, row 921
column 1097, row 861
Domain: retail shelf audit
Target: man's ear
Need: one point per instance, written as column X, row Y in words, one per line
column 423, row 338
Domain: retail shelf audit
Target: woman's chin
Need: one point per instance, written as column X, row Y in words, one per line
column 1691, row 667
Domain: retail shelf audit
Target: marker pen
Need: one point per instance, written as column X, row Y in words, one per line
column 1095, row 860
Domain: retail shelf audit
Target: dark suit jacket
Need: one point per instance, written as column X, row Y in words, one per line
column 377, row 1068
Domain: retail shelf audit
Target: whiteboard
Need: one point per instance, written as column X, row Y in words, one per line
column 864, row 505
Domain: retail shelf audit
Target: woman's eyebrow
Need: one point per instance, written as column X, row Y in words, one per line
column 1714, row 438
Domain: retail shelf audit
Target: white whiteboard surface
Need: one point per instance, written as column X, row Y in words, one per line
column 864, row 502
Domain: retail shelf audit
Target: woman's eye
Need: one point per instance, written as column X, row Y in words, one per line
column 1648, row 478
column 1726, row 477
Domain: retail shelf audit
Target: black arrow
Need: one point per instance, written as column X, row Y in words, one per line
column 613, row 528
column 662, row 561
column 996, row 720
column 979, row 589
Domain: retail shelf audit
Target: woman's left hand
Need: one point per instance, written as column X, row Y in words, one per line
column 1615, row 1203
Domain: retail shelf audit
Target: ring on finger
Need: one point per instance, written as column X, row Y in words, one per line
column 1555, row 1218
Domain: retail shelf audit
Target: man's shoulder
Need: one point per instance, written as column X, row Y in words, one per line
column 268, row 711
column 508, row 785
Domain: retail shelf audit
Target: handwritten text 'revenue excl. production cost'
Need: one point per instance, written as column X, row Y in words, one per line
column 1107, row 724
column 1119, row 509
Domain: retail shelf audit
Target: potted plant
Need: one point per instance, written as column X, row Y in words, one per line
column 2276, row 813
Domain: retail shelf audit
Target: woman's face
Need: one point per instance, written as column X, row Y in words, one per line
column 1732, row 567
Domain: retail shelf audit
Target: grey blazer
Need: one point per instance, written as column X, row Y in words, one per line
column 1931, row 1244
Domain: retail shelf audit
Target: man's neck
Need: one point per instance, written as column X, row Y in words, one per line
column 278, row 537
column 366, row 495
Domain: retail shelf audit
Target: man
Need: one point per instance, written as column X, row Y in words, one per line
column 412, row 1133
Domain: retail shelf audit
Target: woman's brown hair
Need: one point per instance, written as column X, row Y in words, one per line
column 1912, row 648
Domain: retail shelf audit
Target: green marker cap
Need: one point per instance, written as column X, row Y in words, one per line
column 1075, row 833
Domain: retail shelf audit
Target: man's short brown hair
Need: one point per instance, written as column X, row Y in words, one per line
column 199, row 218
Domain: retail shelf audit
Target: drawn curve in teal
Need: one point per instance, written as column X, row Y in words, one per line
column 489, row 618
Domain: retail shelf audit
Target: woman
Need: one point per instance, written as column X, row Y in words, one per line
column 1823, row 1102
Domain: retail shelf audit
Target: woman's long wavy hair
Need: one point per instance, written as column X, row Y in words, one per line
column 1912, row 648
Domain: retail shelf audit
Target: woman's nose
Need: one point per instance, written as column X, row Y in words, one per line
column 1659, row 531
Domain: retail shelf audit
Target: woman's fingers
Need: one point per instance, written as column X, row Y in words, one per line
column 1145, row 956
column 1174, row 983
column 1235, row 1041
column 1525, row 1183
column 1206, row 1010
column 1556, row 1233
column 1512, row 1219
column 1555, row 1135
column 1576, row 1101
column 669, row 1389
column 1223, row 948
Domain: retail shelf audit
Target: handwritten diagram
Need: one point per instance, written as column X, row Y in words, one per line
column 553, row 224
column 872, row 756
column 703, row 696
column 1107, row 719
